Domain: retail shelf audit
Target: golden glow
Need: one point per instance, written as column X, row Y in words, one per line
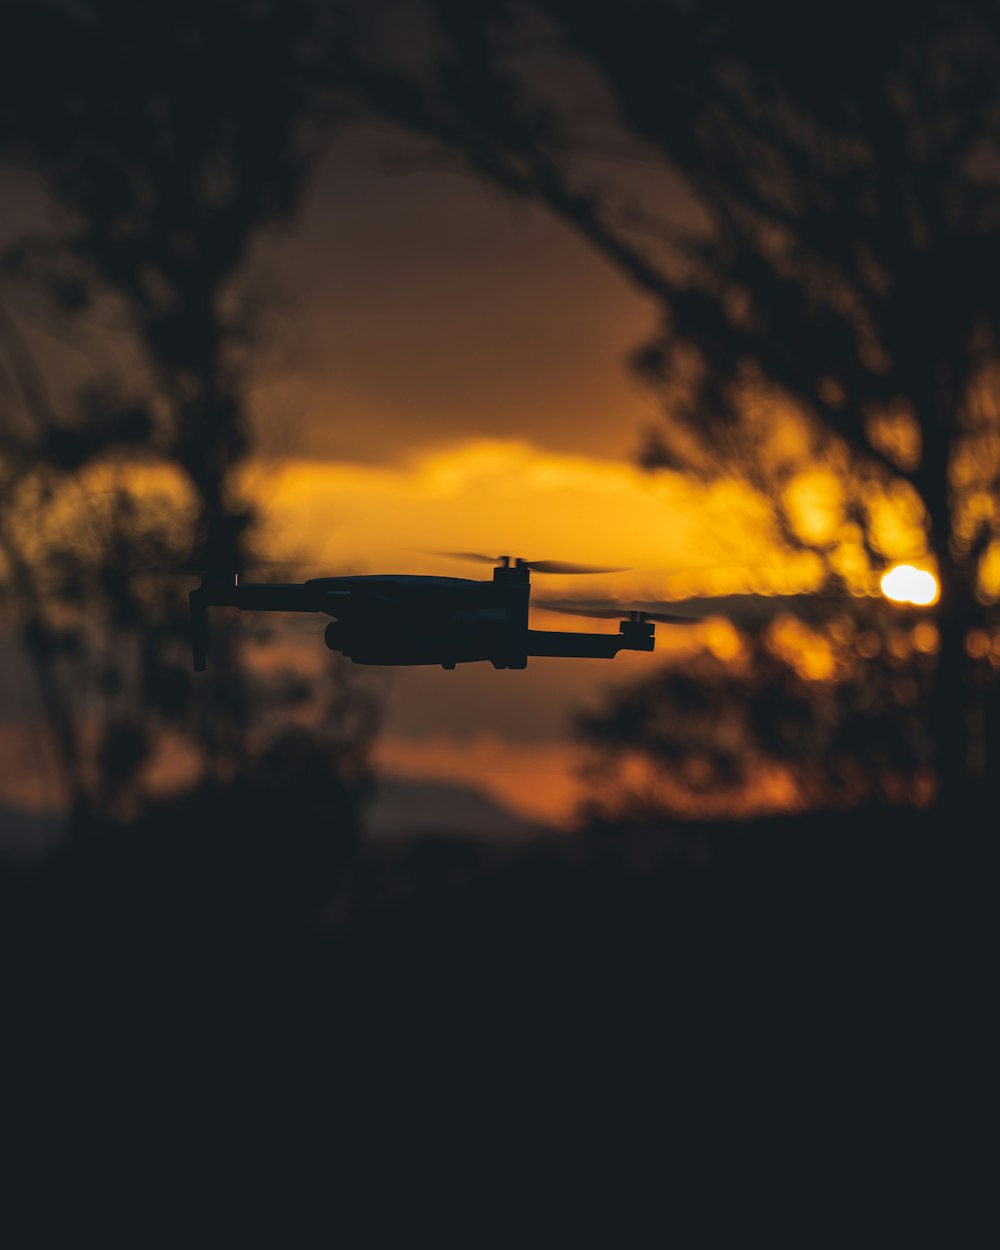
column 926, row 638
column 815, row 503
column 723, row 639
column 678, row 536
column 977, row 643
column 896, row 433
column 806, row 650
column 989, row 574
column 534, row 780
column 868, row 644
column 907, row 584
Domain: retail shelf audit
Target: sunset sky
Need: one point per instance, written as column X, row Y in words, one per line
column 451, row 374
column 369, row 369
column 442, row 368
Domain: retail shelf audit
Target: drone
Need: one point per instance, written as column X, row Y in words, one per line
column 406, row 619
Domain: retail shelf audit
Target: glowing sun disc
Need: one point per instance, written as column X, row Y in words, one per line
column 906, row 584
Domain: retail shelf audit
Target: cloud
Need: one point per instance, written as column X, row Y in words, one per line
column 507, row 732
column 677, row 537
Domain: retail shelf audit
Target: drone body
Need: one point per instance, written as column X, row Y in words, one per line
column 398, row 619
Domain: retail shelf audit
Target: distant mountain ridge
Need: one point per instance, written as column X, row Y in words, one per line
column 408, row 806
column 403, row 807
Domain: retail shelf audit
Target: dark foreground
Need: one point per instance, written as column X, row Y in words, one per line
column 708, row 1037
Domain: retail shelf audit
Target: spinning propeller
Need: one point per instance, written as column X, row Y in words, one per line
column 746, row 610
column 609, row 610
column 537, row 566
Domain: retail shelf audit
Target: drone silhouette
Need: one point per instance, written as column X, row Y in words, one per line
column 404, row 619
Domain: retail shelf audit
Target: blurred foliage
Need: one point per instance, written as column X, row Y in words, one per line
column 796, row 716
column 810, row 198
column 831, row 713
column 164, row 138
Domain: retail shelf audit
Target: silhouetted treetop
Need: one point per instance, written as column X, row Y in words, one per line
column 812, row 200
column 167, row 136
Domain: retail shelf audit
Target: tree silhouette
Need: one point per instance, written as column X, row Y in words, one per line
column 168, row 137
column 813, row 206
column 797, row 718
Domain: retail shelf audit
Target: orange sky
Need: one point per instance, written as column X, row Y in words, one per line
column 420, row 308
column 442, row 368
column 508, row 733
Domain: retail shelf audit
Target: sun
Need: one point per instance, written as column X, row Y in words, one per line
column 906, row 584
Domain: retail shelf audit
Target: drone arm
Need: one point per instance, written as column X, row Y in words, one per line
column 226, row 591
column 560, row 643
column 590, row 646
column 263, row 597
